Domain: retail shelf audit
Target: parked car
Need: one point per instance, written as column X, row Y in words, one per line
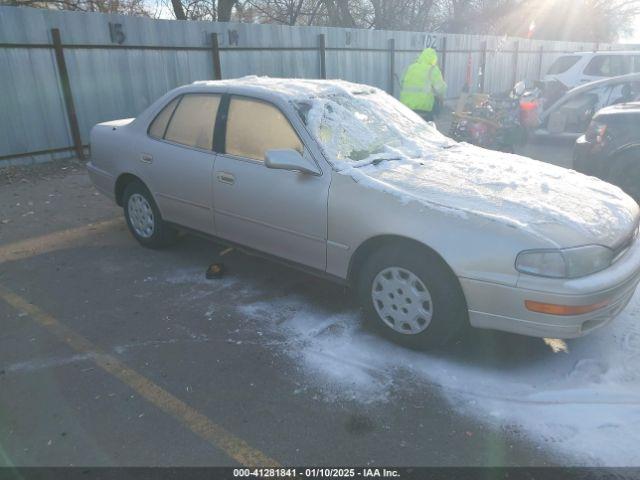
column 610, row 149
column 345, row 182
column 578, row 68
column 571, row 114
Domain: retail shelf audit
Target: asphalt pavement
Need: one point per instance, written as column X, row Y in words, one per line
column 112, row 354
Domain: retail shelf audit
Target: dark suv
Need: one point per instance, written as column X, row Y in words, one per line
column 610, row 149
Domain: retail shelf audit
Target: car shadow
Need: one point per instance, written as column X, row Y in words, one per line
column 481, row 348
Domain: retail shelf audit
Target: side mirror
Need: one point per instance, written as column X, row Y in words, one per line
column 289, row 159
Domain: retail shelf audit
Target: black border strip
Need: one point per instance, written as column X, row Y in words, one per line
column 404, row 473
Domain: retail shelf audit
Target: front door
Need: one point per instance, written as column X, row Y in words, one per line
column 279, row 212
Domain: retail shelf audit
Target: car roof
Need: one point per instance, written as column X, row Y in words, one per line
column 626, row 108
column 286, row 88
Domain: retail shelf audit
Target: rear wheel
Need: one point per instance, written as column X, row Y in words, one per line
column 411, row 296
column 625, row 173
column 143, row 217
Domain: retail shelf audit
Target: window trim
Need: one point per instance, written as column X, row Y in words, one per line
column 222, row 144
column 192, row 147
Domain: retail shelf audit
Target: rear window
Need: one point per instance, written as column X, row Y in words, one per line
column 193, row 121
column 562, row 64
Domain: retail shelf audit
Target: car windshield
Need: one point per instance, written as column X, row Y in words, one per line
column 368, row 126
column 562, row 64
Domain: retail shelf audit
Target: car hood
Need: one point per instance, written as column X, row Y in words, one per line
column 560, row 205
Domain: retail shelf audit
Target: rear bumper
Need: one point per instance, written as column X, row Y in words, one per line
column 501, row 307
column 103, row 181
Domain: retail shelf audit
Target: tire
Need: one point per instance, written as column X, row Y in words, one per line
column 625, row 173
column 436, row 311
column 143, row 217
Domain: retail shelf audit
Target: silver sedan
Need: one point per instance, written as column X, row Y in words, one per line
column 343, row 181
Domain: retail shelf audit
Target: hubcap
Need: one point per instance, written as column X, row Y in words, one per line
column 140, row 215
column 402, row 300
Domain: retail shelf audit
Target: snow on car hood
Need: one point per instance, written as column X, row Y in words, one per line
column 513, row 189
column 373, row 138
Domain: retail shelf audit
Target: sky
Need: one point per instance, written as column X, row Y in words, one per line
column 163, row 11
column 635, row 36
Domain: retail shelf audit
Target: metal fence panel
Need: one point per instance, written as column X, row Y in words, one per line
column 119, row 64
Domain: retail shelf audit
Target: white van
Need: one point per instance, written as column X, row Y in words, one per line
column 582, row 67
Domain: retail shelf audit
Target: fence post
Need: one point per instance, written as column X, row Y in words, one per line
column 483, row 64
column 541, row 54
column 66, row 93
column 516, row 52
column 392, row 64
column 215, row 57
column 443, row 56
column 322, row 50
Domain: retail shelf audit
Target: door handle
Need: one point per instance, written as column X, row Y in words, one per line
column 227, row 178
column 146, row 158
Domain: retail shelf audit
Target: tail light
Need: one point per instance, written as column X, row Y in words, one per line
column 596, row 133
column 529, row 114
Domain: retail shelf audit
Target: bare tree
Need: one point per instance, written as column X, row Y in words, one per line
column 286, row 12
column 216, row 10
column 129, row 7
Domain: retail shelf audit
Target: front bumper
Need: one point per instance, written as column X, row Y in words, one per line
column 500, row 307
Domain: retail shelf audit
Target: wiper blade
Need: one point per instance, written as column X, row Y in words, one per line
column 374, row 161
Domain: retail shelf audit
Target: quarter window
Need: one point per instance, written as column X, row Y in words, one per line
column 562, row 64
column 253, row 127
column 193, row 121
column 159, row 125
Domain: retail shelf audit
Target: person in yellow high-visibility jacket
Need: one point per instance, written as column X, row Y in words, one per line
column 422, row 83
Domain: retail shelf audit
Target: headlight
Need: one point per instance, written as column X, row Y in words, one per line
column 564, row 263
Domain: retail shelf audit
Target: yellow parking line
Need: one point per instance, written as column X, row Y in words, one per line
column 51, row 241
column 198, row 423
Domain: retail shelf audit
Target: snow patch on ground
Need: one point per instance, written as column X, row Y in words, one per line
column 584, row 403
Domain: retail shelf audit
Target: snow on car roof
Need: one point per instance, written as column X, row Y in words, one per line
column 291, row 88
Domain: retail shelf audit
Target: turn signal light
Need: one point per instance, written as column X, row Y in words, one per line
column 553, row 309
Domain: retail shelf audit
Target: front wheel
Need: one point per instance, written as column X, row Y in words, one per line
column 412, row 297
column 143, row 217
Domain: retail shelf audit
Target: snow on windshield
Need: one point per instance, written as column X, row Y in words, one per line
column 369, row 125
column 359, row 129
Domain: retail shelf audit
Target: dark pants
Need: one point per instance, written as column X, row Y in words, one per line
column 427, row 116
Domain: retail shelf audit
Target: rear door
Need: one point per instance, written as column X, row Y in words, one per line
column 279, row 212
column 178, row 160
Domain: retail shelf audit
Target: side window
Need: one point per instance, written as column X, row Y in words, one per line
column 598, row 66
column 620, row 65
column 193, row 121
column 253, row 127
column 636, row 64
column 608, row 65
column 159, row 125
